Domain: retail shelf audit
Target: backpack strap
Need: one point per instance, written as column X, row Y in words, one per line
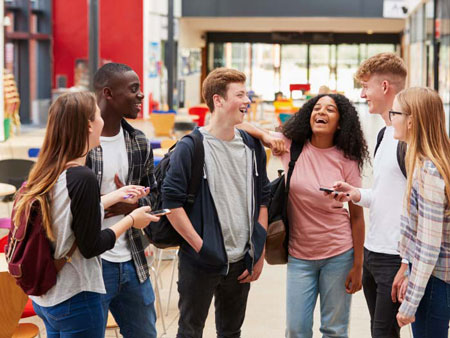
column 401, row 154
column 379, row 139
column 59, row 263
column 295, row 150
column 198, row 161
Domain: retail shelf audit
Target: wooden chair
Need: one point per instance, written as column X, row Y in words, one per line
column 163, row 123
column 167, row 143
column 268, row 156
column 13, row 300
column 112, row 325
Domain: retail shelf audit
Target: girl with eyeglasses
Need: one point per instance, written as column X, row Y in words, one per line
column 418, row 119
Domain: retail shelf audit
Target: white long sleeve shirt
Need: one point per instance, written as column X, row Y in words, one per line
column 385, row 199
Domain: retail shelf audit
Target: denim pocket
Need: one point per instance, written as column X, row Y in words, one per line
column 58, row 312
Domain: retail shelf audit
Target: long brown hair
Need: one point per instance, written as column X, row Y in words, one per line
column 427, row 137
column 66, row 138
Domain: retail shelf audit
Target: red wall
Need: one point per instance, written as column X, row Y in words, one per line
column 70, row 37
column 121, row 34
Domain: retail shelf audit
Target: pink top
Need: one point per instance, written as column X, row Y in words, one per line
column 319, row 227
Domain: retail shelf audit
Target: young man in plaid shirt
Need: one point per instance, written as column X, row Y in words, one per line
column 124, row 157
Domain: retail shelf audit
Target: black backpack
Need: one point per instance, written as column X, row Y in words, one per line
column 401, row 151
column 161, row 233
column 278, row 229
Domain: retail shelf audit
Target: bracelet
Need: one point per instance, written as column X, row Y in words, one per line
column 132, row 218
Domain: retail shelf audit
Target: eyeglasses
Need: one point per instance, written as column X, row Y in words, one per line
column 393, row 113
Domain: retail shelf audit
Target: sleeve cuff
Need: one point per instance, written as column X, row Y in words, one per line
column 172, row 204
column 405, row 261
column 365, row 198
column 407, row 309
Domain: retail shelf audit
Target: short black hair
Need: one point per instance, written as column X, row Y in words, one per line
column 107, row 72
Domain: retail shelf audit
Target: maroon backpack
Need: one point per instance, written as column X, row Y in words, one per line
column 29, row 254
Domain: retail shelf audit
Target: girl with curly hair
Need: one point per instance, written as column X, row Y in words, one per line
column 325, row 240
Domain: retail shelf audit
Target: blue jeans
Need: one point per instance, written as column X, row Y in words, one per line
column 305, row 280
column 130, row 302
column 80, row 316
column 433, row 313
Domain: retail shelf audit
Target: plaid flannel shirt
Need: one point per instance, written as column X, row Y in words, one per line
column 425, row 234
column 140, row 172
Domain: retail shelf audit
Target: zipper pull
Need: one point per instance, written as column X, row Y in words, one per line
column 254, row 161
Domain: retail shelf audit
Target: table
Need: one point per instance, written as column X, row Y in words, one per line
column 7, row 189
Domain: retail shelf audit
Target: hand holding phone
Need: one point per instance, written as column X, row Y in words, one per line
column 160, row 212
column 330, row 191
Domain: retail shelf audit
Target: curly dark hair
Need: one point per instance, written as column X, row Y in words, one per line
column 349, row 138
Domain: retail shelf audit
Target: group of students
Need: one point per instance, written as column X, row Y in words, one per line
column 95, row 181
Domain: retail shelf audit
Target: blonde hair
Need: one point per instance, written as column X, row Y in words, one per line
column 217, row 83
column 387, row 64
column 66, row 138
column 427, row 137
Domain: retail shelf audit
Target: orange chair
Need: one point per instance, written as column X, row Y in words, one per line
column 28, row 311
column 201, row 112
column 12, row 295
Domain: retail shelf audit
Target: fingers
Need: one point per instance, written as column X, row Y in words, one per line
column 348, row 283
column 402, row 291
column 394, row 293
column 243, row 275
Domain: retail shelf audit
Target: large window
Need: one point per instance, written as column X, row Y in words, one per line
column 272, row 67
column 294, row 66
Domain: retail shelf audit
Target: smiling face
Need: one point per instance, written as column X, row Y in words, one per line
column 236, row 103
column 324, row 117
column 373, row 91
column 126, row 94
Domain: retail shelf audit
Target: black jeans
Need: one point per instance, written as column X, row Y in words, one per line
column 197, row 288
column 379, row 271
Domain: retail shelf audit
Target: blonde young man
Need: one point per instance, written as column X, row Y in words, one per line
column 382, row 77
column 224, row 230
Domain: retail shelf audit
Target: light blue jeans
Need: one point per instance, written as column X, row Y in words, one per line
column 130, row 302
column 308, row 278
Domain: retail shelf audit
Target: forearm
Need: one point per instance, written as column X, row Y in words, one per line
column 109, row 199
column 123, row 225
column 358, row 234
column 182, row 224
column 252, row 130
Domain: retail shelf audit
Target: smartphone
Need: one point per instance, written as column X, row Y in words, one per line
column 161, row 212
column 330, row 191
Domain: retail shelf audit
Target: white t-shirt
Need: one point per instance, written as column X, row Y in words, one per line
column 115, row 161
column 385, row 199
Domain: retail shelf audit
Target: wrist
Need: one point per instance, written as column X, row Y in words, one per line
column 355, row 195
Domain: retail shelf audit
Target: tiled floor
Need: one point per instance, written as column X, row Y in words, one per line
column 265, row 316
